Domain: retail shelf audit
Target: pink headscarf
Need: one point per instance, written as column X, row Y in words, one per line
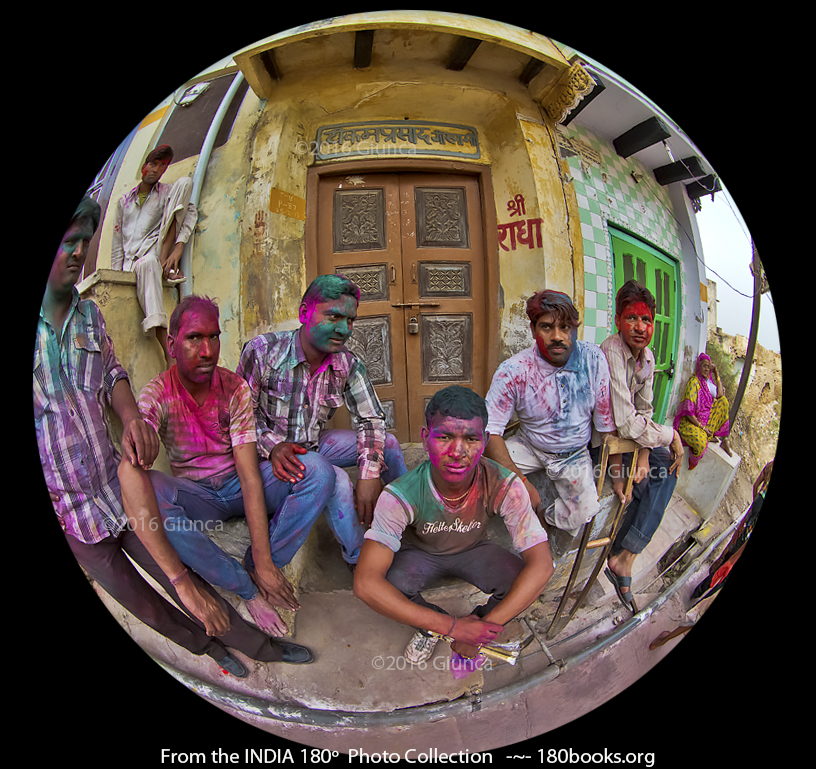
column 702, row 407
column 700, row 358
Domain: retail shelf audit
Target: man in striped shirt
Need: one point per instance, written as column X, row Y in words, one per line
column 632, row 368
column 297, row 380
column 76, row 377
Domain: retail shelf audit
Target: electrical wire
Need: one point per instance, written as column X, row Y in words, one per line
column 700, row 260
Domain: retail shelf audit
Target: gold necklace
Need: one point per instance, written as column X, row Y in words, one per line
column 452, row 502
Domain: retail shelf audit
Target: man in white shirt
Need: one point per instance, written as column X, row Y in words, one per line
column 153, row 222
column 558, row 389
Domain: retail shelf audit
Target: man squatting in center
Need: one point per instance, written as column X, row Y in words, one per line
column 432, row 522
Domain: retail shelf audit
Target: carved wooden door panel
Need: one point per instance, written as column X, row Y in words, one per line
column 443, row 273
column 413, row 243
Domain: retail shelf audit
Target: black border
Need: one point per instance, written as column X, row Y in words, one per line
column 88, row 688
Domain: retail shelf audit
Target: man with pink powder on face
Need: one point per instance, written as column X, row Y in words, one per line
column 152, row 223
column 632, row 368
column 558, row 389
column 203, row 414
column 432, row 522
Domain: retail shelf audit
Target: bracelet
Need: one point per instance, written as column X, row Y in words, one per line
column 452, row 626
column 175, row 580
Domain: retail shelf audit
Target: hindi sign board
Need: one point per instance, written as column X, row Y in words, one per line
column 396, row 137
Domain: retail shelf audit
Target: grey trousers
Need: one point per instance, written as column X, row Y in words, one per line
column 487, row 566
column 107, row 563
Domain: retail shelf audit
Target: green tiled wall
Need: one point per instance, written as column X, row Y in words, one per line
column 608, row 193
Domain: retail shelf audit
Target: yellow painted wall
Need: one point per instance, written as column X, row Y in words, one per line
column 249, row 245
column 513, row 142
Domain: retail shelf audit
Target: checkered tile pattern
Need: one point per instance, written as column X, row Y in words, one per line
column 608, row 193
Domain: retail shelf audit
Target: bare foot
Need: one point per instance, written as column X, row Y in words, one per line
column 161, row 336
column 666, row 636
column 265, row 616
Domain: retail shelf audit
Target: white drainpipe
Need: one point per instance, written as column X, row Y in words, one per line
column 186, row 288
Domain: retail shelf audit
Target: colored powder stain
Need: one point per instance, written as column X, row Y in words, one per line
column 640, row 308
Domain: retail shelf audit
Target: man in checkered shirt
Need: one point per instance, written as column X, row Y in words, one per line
column 76, row 376
column 297, row 380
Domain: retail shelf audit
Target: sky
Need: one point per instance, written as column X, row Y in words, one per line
column 727, row 254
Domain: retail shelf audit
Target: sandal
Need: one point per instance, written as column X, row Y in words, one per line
column 175, row 276
column 618, row 583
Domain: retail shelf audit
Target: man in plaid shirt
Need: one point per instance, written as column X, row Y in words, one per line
column 297, row 380
column 76, row 376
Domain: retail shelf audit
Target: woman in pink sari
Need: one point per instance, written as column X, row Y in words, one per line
column 703, row 413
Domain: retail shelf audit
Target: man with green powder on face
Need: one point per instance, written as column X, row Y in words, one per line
column 297, row 380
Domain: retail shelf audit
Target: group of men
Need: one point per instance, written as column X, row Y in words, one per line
column 253, row 443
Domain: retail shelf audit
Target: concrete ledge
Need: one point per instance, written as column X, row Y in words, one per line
column 114, row 292
column 704, row 487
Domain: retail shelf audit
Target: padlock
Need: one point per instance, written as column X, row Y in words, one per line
column 413, row 326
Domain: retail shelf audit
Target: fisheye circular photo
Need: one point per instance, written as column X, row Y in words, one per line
column 406, row 387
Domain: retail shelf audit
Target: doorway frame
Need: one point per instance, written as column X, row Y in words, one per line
column 422, row 165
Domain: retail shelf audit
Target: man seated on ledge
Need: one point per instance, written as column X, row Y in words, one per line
column 558, row 389
column 298, row 379
column 632, row 372
column 152, row 223
column 432, row 522
column 203, row 414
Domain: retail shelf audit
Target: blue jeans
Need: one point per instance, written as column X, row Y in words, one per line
column 338, row 449
column 188, row 508
column 650, row 498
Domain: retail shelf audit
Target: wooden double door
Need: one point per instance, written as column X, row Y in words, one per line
column 414, row 244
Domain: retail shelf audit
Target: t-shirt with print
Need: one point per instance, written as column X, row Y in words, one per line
column 410, row 509
column 199, row 439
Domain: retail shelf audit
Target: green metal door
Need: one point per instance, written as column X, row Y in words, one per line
column 635, row 259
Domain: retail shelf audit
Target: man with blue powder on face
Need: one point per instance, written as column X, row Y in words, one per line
column 298, row 379
column 558, row 389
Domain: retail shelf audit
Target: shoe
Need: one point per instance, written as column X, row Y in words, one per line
column 175, row 276
column 420, row 648
column 234, row 666
column 618, row 583
column 295, row 654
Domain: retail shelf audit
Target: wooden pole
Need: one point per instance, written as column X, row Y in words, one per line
column 749, row 353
